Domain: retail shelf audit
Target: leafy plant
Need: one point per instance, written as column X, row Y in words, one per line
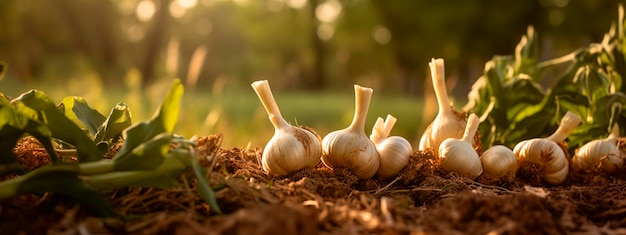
column 151, row 154
column 515, row 106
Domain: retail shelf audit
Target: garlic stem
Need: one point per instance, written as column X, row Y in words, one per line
column 569, row 122
column 437, row 73
column 363, row 96
column 262, row 88
column 390, row 121
column 472, row 126
column 614, row 135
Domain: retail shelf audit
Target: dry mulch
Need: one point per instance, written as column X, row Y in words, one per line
column 422, row 199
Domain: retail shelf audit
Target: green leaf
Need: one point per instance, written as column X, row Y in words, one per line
column 15, row 121
column 118, row 120
column 164, row 176
column 204, row 189
column 146, row 156
column 164, row 120
column 60, row 126
column 89, row 117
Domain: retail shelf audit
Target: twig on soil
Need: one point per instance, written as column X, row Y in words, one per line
column 380, row 190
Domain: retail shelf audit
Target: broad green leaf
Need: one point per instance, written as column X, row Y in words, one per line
column 88, row 117
column 118, row 120
column 164, row 120
column 60, row 126
column 146, row 156
column 14, row 124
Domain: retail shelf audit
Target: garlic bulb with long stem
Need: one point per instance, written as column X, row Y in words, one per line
column 498, row 161
column 394, row 151
column 600, row 153
column 448, row 123
column 350, row 147
column 459, row 155
column 547, row 153
column 291, row 148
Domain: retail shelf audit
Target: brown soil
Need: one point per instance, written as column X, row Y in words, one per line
column 422, row 199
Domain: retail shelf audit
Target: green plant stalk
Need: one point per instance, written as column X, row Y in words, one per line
column 96, row 168
column 162, row 176
column 8, row 188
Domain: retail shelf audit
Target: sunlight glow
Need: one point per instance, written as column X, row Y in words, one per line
column 381, row 34
column 145, row 10
column 328, row 11
column 176, row 10
column 275, row 5
column 187, row 4
column 325, row 31
column 296, row 4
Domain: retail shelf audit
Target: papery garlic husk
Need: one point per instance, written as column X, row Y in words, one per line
column 448, row 123
column 350, row 147
column 458, row 155
column 602, row 153
column 394, row 151
column 498, row 161
column 291, row 148
column 546, row 152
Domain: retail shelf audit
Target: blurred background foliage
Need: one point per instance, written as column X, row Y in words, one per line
column 95, row 48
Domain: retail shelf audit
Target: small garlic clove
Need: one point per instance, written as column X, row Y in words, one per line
column 498, row 161
column 603, row 153
column 394, row 151
column 291, row 150
column 350, row 147
column 459, row 155
column 547, row 153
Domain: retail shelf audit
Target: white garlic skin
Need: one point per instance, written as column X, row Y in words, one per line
column 547, row 154
column 459, row 155
column 462, row 159
column 498, row 161
column 394, row 152
column 350, row 147
column 602, row 152
column 447, row 123
column 344, row 148
column 290, row 150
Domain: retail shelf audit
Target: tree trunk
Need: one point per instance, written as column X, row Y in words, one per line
column 154, row 41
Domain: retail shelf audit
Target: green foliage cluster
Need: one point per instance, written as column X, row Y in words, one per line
column 151, row 154
column 516, row 106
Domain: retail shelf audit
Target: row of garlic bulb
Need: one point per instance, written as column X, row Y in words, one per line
column 453, row 139
column 294, row 148
column 451, row 136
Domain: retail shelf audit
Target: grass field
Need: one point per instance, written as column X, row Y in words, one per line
column 237, row 113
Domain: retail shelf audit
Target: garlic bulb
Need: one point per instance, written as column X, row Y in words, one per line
column 458, row 155
column 498, row 161
column 602, row 153
column 291, row 148
column 394, row 151
column 448, row 123
column 350, row 147
column 547, row 153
